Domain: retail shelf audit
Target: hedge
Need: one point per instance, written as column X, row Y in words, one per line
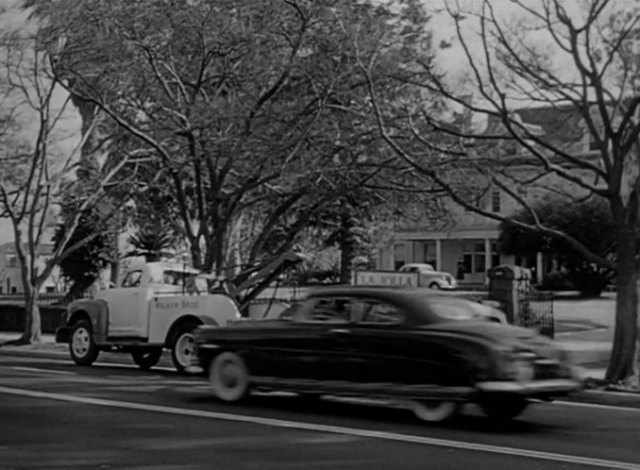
column 12, row 317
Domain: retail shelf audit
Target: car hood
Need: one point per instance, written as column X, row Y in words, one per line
column 507, row 336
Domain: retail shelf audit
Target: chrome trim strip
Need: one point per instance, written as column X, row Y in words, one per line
column 366, row 388
column 527, row 388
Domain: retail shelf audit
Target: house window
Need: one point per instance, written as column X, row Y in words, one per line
column 593, row 145
column 495, row 256
column 495, row 201
column 14, row 290
column 13, row 261
column 399, row 256
column 474, row 257
column 50, row 289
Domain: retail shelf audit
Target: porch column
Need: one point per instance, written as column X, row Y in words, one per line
column 487, row 258
column 539, row 266
column 438, row 265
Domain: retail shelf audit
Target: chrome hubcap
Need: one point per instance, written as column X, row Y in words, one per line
column 80, row 342
column 186, row 350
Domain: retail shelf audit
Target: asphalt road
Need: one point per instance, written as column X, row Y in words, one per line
column 54, row 415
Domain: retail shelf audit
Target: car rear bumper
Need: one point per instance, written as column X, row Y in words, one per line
column 532, row 389
column 63, row 334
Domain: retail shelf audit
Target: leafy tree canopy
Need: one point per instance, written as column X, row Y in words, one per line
column 589, row 221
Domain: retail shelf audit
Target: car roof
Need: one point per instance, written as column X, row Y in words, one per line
column 381, row 292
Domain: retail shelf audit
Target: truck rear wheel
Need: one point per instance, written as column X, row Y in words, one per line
column 146, row 358
column 184, row 351
column 82, row 347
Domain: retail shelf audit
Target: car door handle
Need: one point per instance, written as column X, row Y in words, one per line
column 340, row 331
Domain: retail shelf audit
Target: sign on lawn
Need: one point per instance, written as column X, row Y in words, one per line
column 385, row 278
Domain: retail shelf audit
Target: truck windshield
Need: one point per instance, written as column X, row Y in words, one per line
column 191, row 282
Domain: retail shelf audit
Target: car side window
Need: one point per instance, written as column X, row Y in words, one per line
column 377, row 312
column 329, row 310
column 132, row 279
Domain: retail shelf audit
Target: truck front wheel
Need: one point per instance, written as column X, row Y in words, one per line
column 184, row 352
column 82, row 347
column 146, row 358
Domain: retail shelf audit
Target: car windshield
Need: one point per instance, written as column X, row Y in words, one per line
column 451, row 308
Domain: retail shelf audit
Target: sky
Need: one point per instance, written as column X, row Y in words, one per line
column 67, row 133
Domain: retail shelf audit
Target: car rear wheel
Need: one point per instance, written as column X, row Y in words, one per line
column 229, row 377
column 146, row 358
column 82, row 347
column 503, row 408
column 184, row 352
column 434, row 411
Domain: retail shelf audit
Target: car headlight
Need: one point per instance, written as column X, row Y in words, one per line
column 518, row 366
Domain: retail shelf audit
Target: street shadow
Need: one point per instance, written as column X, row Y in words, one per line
column 322, row 409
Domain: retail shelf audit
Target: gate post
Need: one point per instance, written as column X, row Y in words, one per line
column 510, row 286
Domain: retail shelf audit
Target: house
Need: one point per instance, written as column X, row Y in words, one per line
column 11, row 275
column 470, row 240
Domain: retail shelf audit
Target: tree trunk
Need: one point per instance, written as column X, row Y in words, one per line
column 621, row 366
column 114, row 275
column 347, row 249
column 32, row 323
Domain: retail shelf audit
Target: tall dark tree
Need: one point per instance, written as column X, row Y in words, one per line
column 589, row 222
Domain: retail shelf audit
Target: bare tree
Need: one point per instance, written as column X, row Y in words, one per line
column 38, row 167
column 549, row 104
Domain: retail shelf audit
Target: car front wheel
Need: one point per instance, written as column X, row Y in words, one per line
column 82, row 347
column 229, row 377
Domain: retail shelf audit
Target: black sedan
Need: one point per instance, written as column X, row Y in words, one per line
column 431, row 353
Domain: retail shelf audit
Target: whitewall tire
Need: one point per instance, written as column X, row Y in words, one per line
column 228, row 377
column 434, row 411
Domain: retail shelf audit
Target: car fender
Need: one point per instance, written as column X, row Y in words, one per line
column 94, row 310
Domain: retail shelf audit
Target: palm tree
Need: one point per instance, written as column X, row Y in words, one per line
column 152, row 244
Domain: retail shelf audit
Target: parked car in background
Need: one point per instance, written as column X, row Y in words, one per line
column 429, row 277
column 430, row 353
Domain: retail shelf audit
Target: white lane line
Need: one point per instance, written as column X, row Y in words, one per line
column 130, row 367
column 598, row 406
column 280, row 423
column 46, row 371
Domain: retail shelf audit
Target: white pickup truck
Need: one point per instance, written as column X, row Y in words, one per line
column 156, row 306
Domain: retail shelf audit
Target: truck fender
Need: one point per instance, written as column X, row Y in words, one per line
column 187, row 318
column 94, row 310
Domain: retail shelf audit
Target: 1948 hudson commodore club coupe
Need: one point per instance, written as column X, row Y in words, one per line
column 430, row 353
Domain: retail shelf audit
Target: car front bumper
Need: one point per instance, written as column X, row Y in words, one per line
column 532, row 389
